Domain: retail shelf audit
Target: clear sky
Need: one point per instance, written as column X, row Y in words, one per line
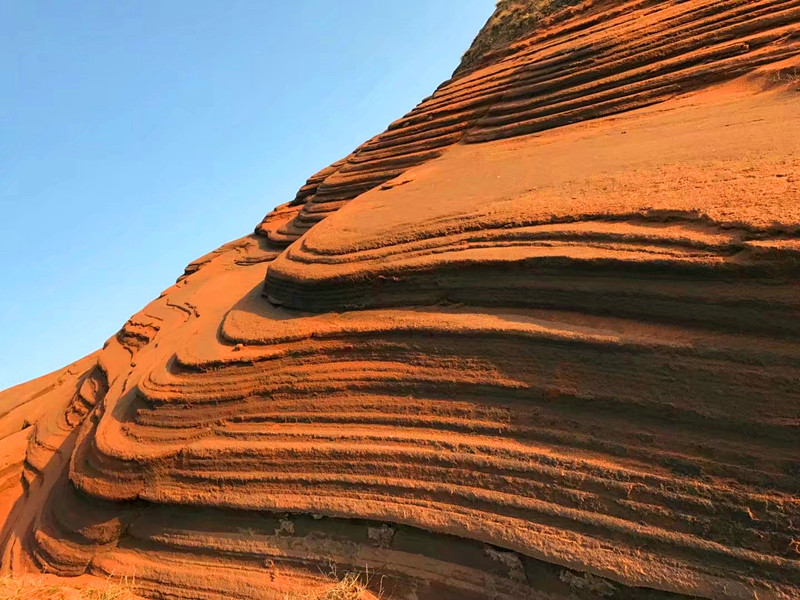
column 137, row 135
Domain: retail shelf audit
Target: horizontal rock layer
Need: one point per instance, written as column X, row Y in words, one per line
column 606, row 58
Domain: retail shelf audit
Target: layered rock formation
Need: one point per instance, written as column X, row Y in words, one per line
column 538, row 339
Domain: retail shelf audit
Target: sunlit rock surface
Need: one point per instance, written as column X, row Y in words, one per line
column 538, row 339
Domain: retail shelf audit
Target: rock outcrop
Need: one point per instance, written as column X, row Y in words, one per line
column 538, row 339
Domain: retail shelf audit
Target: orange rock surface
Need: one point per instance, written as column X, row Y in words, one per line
column 538, row 339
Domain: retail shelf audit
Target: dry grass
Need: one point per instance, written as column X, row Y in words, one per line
column 788, row 75
column 30, row 587
column 349, row 588
column 40, row 588
column 353, row 586
column 511, row 20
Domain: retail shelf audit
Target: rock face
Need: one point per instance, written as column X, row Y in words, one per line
column 538, row 339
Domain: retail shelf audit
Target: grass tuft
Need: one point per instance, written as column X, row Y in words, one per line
column 511, row 20
column 348, row 588
column 352, row 586
column 41, row 588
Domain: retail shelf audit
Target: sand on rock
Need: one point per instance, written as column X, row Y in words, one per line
column 538, row 339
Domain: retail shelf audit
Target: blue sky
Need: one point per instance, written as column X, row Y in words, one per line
column 139, row 135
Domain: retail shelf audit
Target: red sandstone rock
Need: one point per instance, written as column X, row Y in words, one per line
column 539, row 339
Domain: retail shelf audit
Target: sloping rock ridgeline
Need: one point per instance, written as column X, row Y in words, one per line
column 538, row 339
